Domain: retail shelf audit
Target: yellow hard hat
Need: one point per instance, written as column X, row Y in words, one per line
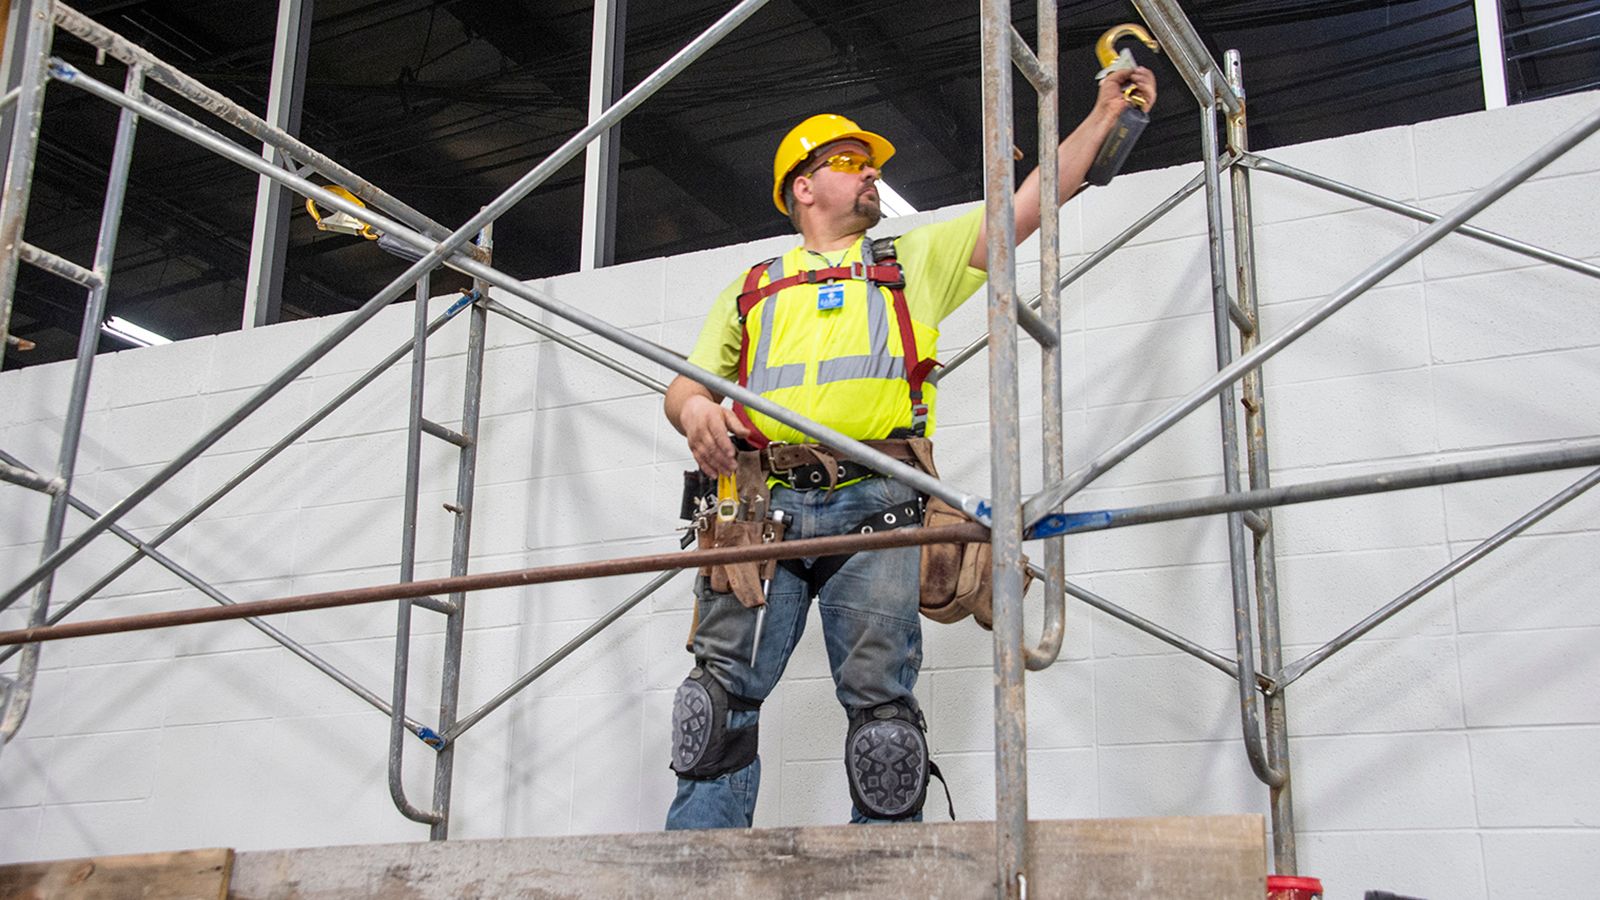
column 824, row 128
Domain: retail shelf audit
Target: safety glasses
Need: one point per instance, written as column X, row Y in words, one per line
column 847, row 161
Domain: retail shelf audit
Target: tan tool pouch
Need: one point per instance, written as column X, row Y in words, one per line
column 957, row 580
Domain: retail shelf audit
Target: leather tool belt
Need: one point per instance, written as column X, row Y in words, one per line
column 955, row 578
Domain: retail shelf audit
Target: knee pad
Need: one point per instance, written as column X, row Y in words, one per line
column 703, row 746
column 886, row 759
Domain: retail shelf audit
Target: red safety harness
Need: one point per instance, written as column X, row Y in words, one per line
column 876, row 272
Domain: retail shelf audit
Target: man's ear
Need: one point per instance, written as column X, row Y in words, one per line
column 802, row 190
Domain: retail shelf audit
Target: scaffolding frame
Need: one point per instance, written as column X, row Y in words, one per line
column 1006, row 517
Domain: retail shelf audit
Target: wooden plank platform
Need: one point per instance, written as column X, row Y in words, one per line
column 183, row 875
column 1216, row 857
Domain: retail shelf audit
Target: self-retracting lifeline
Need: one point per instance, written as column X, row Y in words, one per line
column 1119, row 143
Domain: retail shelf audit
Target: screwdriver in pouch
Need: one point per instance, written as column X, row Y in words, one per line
column 778, row 516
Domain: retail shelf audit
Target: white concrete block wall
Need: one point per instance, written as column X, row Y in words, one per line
column 1450, row 754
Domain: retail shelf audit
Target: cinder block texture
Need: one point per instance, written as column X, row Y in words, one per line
column 1449, row 754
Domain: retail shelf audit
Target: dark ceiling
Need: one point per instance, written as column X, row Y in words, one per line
column 445, row 103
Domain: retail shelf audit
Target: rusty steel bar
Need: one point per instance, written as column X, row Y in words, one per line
column 28, row 478
column 1005, row 472
column 969, row 532
column 34, row 48
column 1264, row 545
column 59, row 266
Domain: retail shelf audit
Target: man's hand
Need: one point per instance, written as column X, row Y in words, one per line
column 706, row 424
column 1110, row 103
column 700, row 416
column 1075, row 156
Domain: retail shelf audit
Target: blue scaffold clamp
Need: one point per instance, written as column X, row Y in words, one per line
column 467, row 299
column 984, row 515
column 1064, row 523
column 430, row 737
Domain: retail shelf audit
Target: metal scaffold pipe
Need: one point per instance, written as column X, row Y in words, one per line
column 77, row 400
column 1078, row 271
column 429, row 260
column 206, row 588
column 1263, row 539
column 164, row 74
column 266, row 456
column 566, row 650
column 1189, row 55
column 1039, row 505
column 1585, row 453
column 901, row 537
column 1273, row 167
column 1043, row 654
column 1293, row 671
column 1095, row 601
column 28, row 478
column 1239, row 580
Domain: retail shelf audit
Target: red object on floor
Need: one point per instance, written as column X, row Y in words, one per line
column 1293, row 887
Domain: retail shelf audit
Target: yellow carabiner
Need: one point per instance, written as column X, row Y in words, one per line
column 1105, row 50
column 342, row 222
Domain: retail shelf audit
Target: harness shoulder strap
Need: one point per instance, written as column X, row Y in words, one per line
column 749, row 296
column 917, row 367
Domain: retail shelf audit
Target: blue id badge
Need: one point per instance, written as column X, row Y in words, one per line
column 830, row 296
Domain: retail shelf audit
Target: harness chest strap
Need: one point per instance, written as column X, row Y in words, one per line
column 886, row 273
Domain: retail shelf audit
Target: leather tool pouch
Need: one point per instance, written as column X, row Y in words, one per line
column 956, row 578
column 752, row 525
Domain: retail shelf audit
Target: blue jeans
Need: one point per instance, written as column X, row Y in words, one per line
column 870, row 626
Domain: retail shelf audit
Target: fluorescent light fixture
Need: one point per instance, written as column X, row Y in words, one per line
column 890, row 201
column 122, row 329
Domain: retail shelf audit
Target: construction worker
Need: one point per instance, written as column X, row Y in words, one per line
column 822, row 330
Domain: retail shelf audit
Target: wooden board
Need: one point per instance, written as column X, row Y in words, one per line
column 1216, row 857
column 184, row 875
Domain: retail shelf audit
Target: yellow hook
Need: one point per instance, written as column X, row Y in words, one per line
column 1106, row 50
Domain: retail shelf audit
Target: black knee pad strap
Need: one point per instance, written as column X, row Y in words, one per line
column 703, row 746
column 886, row 760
